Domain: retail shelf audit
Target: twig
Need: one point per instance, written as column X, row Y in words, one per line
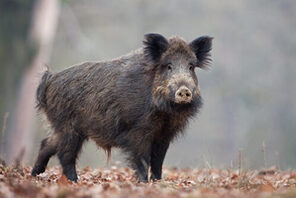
column 264, row 154
column 277, row 161
column 239, row 161
column 6, row 115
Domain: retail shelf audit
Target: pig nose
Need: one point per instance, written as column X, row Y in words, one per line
column 183, row 95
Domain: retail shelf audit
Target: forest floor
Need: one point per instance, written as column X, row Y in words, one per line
column 120, row 182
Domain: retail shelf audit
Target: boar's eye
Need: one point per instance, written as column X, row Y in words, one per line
column 169, row 66
column 191, row 66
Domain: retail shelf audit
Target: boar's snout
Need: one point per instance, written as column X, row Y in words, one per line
column 183, row 95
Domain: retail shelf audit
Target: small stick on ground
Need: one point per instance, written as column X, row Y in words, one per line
column 264, row 154
column 6, row 115
column 239, row 161
column 277, row 161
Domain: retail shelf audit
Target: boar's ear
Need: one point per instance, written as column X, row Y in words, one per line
column 202, row 47
column 154, row 46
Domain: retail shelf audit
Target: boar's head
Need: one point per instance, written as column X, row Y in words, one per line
column 174, row 61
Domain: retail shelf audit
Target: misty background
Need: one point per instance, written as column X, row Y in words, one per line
column 249, row 91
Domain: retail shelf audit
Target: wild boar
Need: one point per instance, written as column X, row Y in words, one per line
column 138, row 102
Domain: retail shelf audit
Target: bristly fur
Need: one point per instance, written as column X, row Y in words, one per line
column 128, row 103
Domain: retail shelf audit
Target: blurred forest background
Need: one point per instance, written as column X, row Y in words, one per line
column 249, row 92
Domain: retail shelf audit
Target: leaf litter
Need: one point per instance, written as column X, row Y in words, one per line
column 120, row 182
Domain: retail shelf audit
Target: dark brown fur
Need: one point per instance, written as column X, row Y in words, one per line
column 129, row 103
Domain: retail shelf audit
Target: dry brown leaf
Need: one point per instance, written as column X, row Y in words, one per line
column 64, row 181
column 266, row 188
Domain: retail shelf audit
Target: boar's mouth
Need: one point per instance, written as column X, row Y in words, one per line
column 183, row 95
column 164, row 99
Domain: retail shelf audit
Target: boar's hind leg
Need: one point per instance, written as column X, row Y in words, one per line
column 69, row 147
column 158, row 151
column 47, row 149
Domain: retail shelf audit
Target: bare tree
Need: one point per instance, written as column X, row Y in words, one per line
column 42, row 31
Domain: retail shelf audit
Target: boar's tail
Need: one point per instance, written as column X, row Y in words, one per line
column 41, row 90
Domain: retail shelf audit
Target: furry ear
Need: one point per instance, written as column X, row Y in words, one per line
column 201, row 48
column 154, row 46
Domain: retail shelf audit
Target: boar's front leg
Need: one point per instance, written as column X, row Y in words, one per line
column 140, row 161
column 142, row 167
column 158, row 151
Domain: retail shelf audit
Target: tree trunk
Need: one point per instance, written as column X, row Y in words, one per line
column 42, row 31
